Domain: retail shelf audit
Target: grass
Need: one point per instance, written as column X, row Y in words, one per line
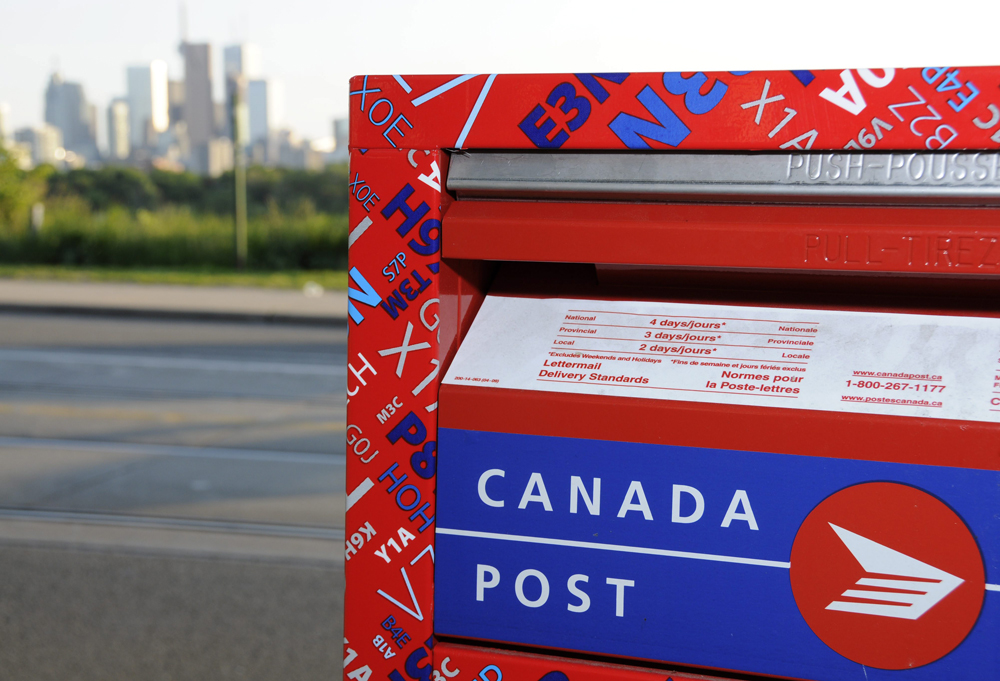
column 335, row 280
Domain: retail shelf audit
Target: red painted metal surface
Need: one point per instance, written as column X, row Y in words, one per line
column 410, row 309
column 923, row 109
column 393, row 365
column 487, row 664
column 753, row 429
column 824, row 239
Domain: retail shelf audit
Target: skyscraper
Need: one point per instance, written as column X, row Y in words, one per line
column 118, row 130
column 148, row 102
column 199, row 110
column 266, row 104
column 242, row 60
column 66, row 108
column 241, row 64
column 340, row 140
column 175, row 99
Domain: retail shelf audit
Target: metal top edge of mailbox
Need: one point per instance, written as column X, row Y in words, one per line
column 926, row 178
column 824, row 510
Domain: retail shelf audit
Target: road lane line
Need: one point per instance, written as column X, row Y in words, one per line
column 173, row 450
column 161, row 362
column 166, row 523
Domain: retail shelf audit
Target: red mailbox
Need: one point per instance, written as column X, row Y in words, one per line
column 675, row 374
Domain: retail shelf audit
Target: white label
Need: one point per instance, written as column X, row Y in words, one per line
column 860, row 362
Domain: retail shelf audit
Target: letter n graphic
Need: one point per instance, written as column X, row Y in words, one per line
column 366, row 295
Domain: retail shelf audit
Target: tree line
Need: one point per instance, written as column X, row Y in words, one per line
column 268, row 189
column 124, row 217
column 288, row 189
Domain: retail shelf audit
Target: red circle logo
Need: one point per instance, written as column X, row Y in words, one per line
column 887, row 575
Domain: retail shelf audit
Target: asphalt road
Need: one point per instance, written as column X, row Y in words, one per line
column 171, row 499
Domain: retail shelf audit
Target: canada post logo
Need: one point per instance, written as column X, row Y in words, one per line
column 887, row 575
column 766, row 564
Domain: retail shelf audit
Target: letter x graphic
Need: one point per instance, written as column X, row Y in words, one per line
column 364, row 91
column 763, row 101
column 404, row 349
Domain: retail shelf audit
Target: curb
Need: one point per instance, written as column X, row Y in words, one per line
column 180, row 315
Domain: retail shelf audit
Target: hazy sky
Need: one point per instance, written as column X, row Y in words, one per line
column 314, row 46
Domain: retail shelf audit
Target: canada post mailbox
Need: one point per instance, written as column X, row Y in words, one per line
column 674, row 375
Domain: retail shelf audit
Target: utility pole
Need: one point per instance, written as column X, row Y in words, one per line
column 239, row 117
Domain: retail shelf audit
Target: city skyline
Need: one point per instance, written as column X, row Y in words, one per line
column 153, row 102
column 314, row 47
column 174, row 124
column 103, row 73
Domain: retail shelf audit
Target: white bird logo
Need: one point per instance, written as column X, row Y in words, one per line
column 921, row 596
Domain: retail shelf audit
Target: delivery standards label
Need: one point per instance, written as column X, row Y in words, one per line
column 870, row 363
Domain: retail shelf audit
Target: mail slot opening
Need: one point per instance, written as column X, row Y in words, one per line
column 737, row 221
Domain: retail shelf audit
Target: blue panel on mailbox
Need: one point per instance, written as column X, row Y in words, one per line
column 793, row 566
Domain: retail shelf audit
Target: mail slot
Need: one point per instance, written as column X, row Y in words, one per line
column 680, row 374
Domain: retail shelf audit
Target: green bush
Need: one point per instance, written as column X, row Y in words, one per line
column 173, row 236
column 123, row 217
column 107, row 187
column 134, row 189
column 18, row 189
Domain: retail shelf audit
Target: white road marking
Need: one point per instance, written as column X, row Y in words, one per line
column 229, row 527
column 173, row 450
column 161, row 362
